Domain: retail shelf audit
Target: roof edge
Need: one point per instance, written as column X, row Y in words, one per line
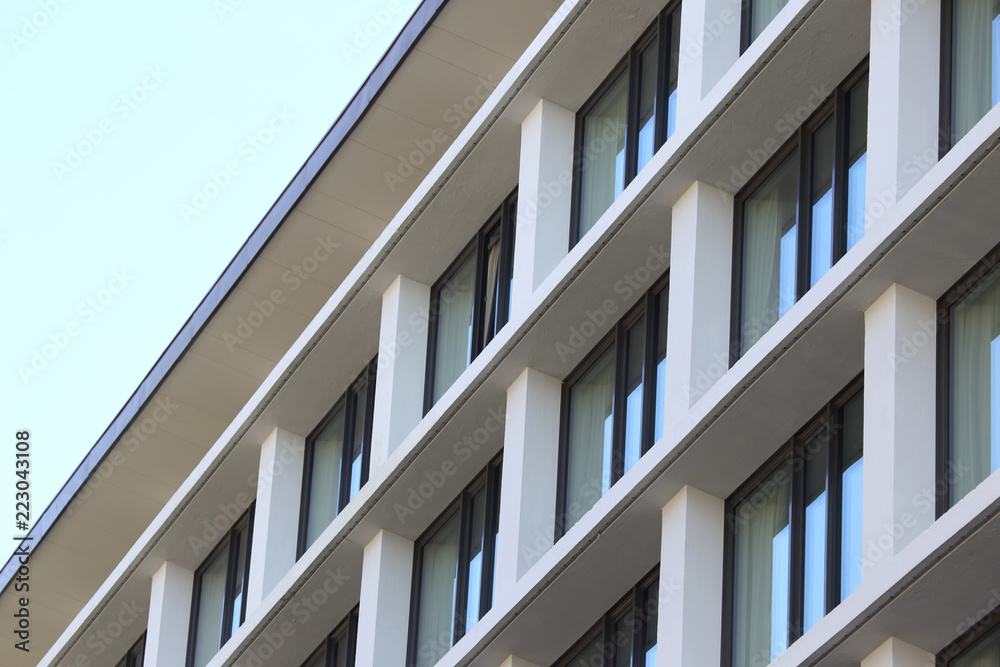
column 349, row 118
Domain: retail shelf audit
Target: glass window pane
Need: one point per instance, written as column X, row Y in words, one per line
column 984, row 653
column 762, row 12
column 648, row 76
column 477, row 553
column 211, row 602
column 857, row 160
column 317, row 659
column 817, row 455
column 495, row 536
column 635, row 347
column 650, row 607
column 491, row 285
column 770, row 241
column 603, row 154
column 438, row 581
column 453, row 349
column 591, row 656
column 137, row 656
column 852, row 465
column 675, row 57
column 239, row 545
column 588, row 474
column 975, row 387
column 508, row 279
column 821, row 201
column 340, row 651
column 661, row 363
column 975, row 62
column 358, row 440
column 324, row 484
column 620, row 642
column 761, row 576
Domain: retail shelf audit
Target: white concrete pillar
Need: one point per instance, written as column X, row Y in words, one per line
column 384, row 616
column 903, row 99
column 169, row 616
column 897, row 653
column 514, row 661
column 689, row 624
column 701, row 251
column 710, row 45
column 900, row 405
column 402, row 364
column 544, row 198
column 530, row 471
column 275, row 525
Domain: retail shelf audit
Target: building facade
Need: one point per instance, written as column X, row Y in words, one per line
column 681, row 349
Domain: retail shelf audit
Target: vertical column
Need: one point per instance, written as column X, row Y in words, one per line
column 402, row 364
column 530, row 470
column 383, row 619
column 544, row 198
column 701, row 251
column 169, row 616
column 275, row 528
column 903, row 99
column 897, row 653
column 899, row 443
column 710, row 45
column 689, row 625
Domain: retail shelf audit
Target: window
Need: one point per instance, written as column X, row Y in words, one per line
column 969, row 396
column 785, row 242
column 612, row 408
column 793, row 536
column 453, row 570
column 626, row 120
column 220, row 593
column 135, row 655
column 970, row 71
column 979, row 647
column 470, row 303
column 625, row 636
column 339, row 648
column 337, row 457
column 757, row 14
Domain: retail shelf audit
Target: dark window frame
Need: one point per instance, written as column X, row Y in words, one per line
column 135, row 656
column 347, row 402
column 503, row 220
column 980, row 629
column 490, row 479
column 946, row 84
column 347, row 628
column 966, row 284
column 617, row 339
column 632, row 600
column 247, row 519
column 661, row 26
column 835, row 106
column 829, row 417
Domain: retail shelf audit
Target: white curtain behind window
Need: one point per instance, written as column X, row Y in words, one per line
column 986, row 653
column 760, row 596
column 975, row 387
column 438, row 581
column 211, row 600
column 603, row 173
column 972, row 69
column 454, row 327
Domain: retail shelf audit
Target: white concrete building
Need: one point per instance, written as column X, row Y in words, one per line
column 635, row 333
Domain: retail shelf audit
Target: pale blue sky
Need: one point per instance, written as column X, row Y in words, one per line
column 113, row 115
